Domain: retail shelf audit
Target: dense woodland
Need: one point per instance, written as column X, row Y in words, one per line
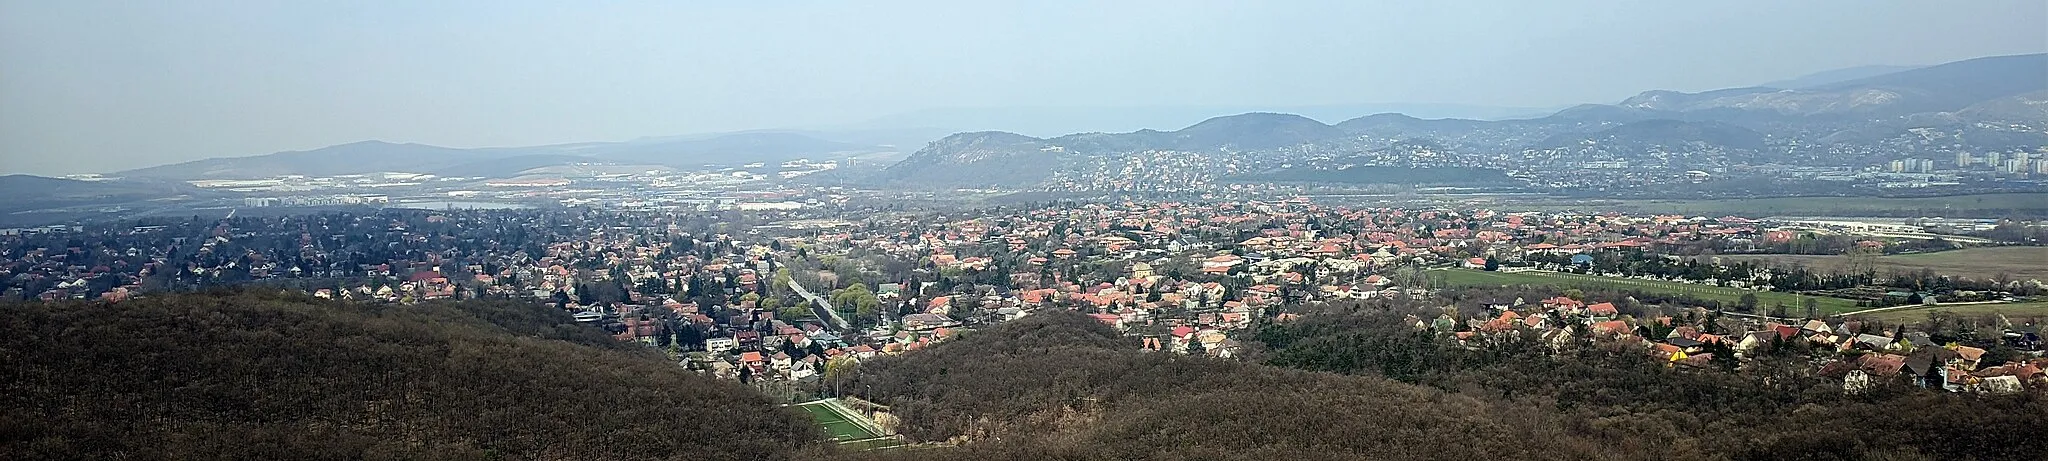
column 246, row 375
column 1058, row 385
column 1773, row 407
column 1061, row 386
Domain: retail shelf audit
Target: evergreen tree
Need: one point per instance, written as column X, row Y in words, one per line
column 789, row 348
column 689, row 337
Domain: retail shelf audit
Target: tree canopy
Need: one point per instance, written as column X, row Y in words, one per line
column 238, row 375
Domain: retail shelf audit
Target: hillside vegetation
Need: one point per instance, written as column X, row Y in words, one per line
column 238, row 375
column 265, row 376
column 1058, row 385
column 1774, row 407
column 1061, row 386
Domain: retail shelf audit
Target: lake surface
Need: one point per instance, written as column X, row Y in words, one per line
column 459, row 205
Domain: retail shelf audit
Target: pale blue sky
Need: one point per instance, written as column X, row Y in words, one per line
column 89, row 86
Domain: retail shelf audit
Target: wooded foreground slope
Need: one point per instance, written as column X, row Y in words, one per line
column 239, row 375
column 1059, row 385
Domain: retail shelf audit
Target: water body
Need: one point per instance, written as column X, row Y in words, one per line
column 459, row 205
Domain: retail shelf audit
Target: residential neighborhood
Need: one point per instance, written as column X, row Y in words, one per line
column 790, row 297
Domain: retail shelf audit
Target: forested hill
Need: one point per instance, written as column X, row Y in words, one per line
column 248, row 375
column 265, row 376
column 1058, row 385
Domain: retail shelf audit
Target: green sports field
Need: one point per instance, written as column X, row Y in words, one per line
column 838, row 422
column 837, row 425
column 1765, row 299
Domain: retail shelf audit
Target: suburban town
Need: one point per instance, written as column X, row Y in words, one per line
column 786, row 297
column 1021, row 231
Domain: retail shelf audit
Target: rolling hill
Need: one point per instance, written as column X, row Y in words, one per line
column 1253, row 131
column 1003, row 159
column 21, row 185
column 27, row 192
column 1941, row 88
column 377, row 156
column 1060, row 385
column 1987, row 103
column 1360, row 382
column 265, row 376
column 1836, row 76
column 351, row 158
column 991, row 158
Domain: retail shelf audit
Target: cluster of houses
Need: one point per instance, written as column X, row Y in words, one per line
column 1180, row 277
column 1916, row 358
column 1851, row 350
column 1267, row 239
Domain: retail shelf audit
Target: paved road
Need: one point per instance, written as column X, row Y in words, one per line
column 1762, row 316
column 1922, row 306
column 821, row 306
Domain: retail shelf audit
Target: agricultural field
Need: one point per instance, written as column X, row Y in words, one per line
column 2015, row 311
column 2020, row 263
column 1765, row 299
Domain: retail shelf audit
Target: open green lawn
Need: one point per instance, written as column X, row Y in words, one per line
column 2015, row 311
column 838, row 426
column 2020, row 263
column 1765, row 299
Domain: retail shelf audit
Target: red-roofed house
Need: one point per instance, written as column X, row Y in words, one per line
column 1109, row 319
column 1613, row 327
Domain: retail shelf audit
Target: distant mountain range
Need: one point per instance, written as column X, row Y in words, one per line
column 1001, row 159
column 18, row 185
column 27, row 192
column 1943, row 88
column 1058, row 120
column 377, row 156
column 356, row 157
column 1836, row 76
column 1991, row 103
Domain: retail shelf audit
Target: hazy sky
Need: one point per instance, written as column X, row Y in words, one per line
column 93, row 86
